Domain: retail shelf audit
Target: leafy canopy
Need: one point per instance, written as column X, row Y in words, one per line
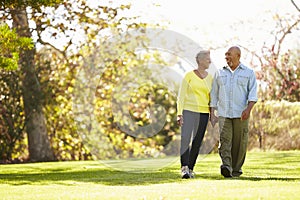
column 32, row 3
column 11, row 45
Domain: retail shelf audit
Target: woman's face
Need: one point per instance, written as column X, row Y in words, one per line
column 204, row 61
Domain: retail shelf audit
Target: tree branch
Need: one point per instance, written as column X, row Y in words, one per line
column 253, row 54
column 295, row 5
column 285, row 34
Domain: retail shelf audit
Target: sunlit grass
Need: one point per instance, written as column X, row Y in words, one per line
column 267, row 175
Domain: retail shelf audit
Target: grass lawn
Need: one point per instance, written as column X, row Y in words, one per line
column 267, row 175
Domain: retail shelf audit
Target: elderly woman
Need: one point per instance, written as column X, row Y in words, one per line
column 193, row 112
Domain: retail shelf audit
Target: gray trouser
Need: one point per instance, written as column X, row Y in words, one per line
column 233, row 142
column 193, row 129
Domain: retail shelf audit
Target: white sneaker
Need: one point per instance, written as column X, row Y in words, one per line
column 192, row 173
column 185, row 172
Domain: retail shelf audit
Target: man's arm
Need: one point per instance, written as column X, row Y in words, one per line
column 247, row 111
column 213, row 101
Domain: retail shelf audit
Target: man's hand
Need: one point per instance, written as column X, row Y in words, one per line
column 245, row 114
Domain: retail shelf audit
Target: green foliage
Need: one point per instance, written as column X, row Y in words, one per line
column 57, row 78
column 134, row 113
column 275, row 125
column 56, row 69
column 32, row 3
column 12, row 120
column 98, row 93
column 11, row 46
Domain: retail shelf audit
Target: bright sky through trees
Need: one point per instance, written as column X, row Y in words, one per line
column 216, row 23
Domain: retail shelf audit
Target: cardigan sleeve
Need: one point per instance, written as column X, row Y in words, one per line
column 181, row 94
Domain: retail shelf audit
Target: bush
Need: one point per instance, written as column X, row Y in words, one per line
column 275, row 125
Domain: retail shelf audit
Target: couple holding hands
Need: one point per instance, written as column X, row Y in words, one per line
column 226, row 98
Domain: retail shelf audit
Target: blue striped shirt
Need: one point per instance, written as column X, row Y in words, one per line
column 232, row 90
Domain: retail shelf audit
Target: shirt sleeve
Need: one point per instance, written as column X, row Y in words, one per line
column 252, row 88
column 181, row 94
column 214, row 92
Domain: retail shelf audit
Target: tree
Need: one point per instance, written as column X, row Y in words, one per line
column 279, row 69
column 77, row 16
column 11, row 118
column 39, row 145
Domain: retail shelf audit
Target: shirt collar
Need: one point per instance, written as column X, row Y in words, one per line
column 240, row 66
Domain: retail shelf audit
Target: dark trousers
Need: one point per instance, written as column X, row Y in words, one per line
column 233, row 142
column 192, row 134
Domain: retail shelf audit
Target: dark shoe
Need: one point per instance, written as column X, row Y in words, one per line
column 226, row 172
column 237, row 173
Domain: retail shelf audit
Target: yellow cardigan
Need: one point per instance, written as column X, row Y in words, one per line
column 194, row 93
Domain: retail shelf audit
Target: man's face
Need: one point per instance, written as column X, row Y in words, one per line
column 231, row 57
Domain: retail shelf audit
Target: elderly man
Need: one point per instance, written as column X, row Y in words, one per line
column 233, row 95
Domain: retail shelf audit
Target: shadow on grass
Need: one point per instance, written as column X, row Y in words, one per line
column 268, row 178
column 113, row 178
column 99, row 176
column 265, row 167
column 248, row 178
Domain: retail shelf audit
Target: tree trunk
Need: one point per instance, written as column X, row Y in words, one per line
column 38, row 141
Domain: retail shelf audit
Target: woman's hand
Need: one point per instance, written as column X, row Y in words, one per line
column 180, row 120
column 213, row 119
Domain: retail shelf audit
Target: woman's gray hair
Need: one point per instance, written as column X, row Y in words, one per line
column 202, row 54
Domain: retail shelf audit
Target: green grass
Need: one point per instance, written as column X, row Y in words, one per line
column 267, row 175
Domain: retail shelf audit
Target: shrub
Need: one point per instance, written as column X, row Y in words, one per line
column 275, row 125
